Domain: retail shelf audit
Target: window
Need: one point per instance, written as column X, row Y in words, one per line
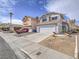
column 44, row 20
column 54, row 18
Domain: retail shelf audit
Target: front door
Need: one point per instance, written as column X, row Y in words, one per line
column 63, row 29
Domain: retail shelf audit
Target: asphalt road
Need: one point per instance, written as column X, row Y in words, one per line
column 5, row 51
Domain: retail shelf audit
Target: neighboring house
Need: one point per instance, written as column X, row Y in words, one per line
column 30, row 23
column 48, row 23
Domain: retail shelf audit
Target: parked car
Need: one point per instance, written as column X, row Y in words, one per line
column 5, row 28
column 22, row 30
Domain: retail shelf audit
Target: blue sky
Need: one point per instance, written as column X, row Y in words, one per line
column 30, row 7
column 21, row 8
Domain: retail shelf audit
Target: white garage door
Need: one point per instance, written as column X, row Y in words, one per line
column 48, row 29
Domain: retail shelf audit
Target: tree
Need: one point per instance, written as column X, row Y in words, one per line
column 37, row 17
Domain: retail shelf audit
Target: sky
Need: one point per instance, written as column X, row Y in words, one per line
column 34, row 8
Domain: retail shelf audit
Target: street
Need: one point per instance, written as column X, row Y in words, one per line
column 5, row 51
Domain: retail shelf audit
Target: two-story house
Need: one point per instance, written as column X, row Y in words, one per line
column 53, row 22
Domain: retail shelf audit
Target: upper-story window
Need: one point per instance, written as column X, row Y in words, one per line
column 44, row 20
column 54, row 18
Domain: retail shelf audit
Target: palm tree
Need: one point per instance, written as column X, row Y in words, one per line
column 10, row 25
column 11, row 17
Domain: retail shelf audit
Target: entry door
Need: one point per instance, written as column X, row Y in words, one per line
column 63, row 28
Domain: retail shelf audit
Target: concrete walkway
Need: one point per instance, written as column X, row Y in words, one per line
column 34, row 50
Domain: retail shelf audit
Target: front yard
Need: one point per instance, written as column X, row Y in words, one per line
column 64, row 44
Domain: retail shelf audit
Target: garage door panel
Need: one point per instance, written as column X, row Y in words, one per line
column 47, row 29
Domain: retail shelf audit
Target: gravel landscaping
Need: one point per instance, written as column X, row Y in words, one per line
column 64, row 44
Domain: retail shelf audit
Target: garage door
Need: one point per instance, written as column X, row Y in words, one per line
column 48, row 29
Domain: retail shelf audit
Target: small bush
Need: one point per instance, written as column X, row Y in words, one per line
column 78, row 30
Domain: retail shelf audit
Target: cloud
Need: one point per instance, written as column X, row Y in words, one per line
column 17, row 21
column 69, row 7
column 7, row 5
column 7, row 20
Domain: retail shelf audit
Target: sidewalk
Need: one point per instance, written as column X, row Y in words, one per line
column 34, row 50
column 5, row 50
